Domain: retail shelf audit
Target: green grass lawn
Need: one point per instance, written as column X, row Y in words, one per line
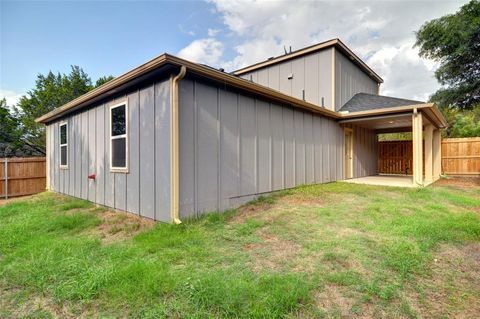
column 334, row 250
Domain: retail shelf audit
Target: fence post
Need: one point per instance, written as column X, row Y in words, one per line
column 6, row 178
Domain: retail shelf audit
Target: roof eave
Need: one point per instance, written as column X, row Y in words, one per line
column 191, row 67
column 103, row 89
column 440, row 120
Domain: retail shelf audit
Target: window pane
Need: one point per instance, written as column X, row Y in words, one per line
column 63, row 134
column 118, row 121
column 63, row 155
column 119, row 146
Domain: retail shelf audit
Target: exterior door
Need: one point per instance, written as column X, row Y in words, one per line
column 348, row 153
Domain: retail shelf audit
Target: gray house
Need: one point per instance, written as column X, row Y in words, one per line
column 172, row 139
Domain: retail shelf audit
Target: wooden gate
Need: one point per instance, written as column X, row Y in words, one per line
column 461, row 156
column 22, row 176
column 396, row 157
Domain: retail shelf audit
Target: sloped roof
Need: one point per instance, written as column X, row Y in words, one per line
column 336, row 43
column 365, row 102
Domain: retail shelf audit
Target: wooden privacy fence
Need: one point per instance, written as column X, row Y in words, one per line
column 461, row 156
column 395, row 157
column 22, row 176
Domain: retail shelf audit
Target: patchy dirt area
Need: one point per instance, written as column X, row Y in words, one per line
column 459, row 182
column 454, row 284
column 272, row 252
column 250, row 211
column 117, row 226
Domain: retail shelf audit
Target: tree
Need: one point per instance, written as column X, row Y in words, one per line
column 10, row 129
column 454, row 41
column 465, row 123
column 102, row 80
column 51, row 91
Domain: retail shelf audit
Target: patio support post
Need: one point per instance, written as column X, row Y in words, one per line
column 437, row 154
column 428, row 154
column 417, row 137
column 48, row 146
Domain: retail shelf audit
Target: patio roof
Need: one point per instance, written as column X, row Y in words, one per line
column 365, row 101
column 388, row 113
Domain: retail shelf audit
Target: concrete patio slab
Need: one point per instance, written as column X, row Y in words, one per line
column 384, row 180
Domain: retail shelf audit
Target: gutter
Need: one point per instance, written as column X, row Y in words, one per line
column 174, row 146
column 166, row 59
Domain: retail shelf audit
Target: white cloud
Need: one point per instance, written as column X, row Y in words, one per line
column 208, row 51
column 183, row 30
column 213, row 32
column 380, row 32
column 11, row 97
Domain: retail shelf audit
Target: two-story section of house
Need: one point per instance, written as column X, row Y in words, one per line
column 327, row 74
column 173, row 139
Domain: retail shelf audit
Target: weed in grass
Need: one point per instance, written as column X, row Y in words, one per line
column 344, row 278
column 74, row 204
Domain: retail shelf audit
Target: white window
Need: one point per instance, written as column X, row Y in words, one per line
column 64, row 145
column 119, row 137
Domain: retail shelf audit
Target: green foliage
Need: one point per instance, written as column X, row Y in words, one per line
column 395, row 136
column 9, row 130
column 51, row 91
column 454, row 41
column 464, row 123
column 102, row 80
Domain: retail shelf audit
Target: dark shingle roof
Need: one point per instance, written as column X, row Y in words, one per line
column 366, row 101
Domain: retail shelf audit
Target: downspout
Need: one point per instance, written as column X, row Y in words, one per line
column 174, row 147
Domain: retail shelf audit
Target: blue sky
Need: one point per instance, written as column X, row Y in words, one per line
column 103, row 38
column 112, row 37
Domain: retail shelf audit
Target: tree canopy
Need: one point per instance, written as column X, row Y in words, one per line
column 454, row 41
column 51, row 91
column 10, row 130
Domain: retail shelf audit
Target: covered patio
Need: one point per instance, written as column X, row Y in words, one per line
column 382, row 114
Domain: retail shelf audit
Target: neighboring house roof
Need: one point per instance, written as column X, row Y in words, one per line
column 366, row 101
column 314, row 48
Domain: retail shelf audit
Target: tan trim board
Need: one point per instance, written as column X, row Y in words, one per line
column 227, row 79
column 310, row 49
column 115, row 169
column 386, row 110
column 122, row 79
column 194, row 68
column 285, row 57
column 374, row 117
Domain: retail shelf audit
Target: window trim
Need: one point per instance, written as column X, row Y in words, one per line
column 60, row 143
column 127, row 162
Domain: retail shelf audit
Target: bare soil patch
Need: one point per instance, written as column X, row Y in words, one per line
column 453, row 288
column 459, row 182
column 116, row 226
column 335, row 299
column 250, row 211
column 273, row 252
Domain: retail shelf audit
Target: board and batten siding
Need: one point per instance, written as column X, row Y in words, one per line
column 312, row 73
column 145, row 190
column 350, row 80
column 234, row 146
column 365, row 151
